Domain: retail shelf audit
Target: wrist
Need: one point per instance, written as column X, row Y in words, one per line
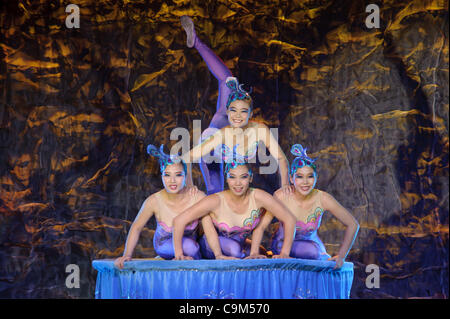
column 340, row 256
column 253, row 253
column 178, row 252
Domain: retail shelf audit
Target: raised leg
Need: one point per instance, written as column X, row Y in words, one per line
column 212, row 173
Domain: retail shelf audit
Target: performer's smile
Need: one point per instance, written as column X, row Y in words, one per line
column 174, row 178
column 239, row 180
column 238, row 113
column 304, row 180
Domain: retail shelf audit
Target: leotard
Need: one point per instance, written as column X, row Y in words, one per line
column 307, row 244
column 233, row 229
column 162, row 240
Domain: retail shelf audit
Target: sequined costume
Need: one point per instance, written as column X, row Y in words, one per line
column 162, row 240
column 232, row 238
column 307, row 244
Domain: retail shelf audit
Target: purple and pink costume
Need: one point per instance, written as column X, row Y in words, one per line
column 163, row 241
column 233, row 239
column 307, row 244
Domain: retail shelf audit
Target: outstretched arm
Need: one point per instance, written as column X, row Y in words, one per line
column 201, row 150
column 275, row 150
column 196, row 211
column 139, row 222
column 343, row 215
column 284, row 215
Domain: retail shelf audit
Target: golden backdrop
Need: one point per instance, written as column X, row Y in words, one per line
column 79, row 106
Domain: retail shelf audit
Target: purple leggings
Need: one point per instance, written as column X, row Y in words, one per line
column 230, row 247
column 213, row 173
column 303, row 249
column 310, row 247
column 163, row 244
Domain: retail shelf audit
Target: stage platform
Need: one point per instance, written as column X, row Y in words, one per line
column 223, row 279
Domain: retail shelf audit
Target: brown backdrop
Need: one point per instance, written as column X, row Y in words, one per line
column 79, row 106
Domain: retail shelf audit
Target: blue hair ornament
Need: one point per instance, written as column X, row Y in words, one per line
column 237, row 92
column 301, row 158
column 233, row 159
column 163, row 158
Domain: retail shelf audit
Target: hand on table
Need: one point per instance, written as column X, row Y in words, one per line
column 182, row 257
column 119, row 262
column 281, row 256
column 339, row 261
column 223, row 257
column 256, row 256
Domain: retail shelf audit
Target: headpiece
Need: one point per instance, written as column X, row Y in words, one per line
column 301, row 158
column 233, row 159
column 237, row 92
column 163, row 158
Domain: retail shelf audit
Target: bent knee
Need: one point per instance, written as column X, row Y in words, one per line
column 305, row 250
column 165, row 252
column 190, row 247
column 309, row 255
column 232, row 248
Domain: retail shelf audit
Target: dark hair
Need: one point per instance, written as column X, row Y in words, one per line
column 235, row 164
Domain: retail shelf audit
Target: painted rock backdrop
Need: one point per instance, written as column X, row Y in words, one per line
column 78, row 107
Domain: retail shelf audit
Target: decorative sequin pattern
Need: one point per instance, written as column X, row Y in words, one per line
column 249, row 224
column 304, row 230
column 301, row 294
column 221, row 295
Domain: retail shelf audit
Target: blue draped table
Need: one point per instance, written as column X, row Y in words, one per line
column 223, row 279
